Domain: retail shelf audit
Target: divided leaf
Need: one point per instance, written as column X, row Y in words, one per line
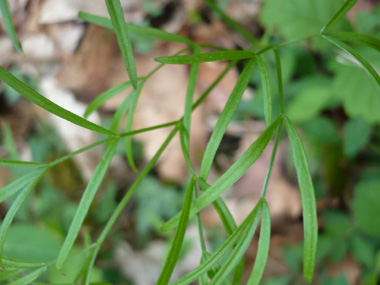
column 85, row 203
column 213, row 260
column 356, row 38
column 12, row 211
column 102, row 98
column 367, row 66
column 266, row 88
column 28, row 279
column 46, row 104
column 9, row 25
column 230, row 176
column 206, row 57
column 18, row 184
column 263, row 248
column 348, row 4
column 140, row 31
column 309, row 209
column 175, row 249
column 121, row 30
column 16, row 163
column 238, row 252
column 225, row 118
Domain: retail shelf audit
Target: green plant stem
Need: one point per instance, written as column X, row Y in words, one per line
column 212, row 86
column 279, row 81
column 231, row 22
column 199, row 224
column 294, row 41
column 271, row 163
column 117, row 212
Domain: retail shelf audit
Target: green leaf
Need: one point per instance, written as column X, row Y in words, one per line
column 309, row 209
column 16, row 263
column 294, row 19
column 9, row 273
column 18, row 184
column 121, row 30
column 30, row 242
column 186, row 119
column 367, row 66
column 356, row 38
column 266, row 89
column 321, row 130
column 27, row 279
column 6, row 223
column 263, row 248
column 85, row 203
column 366, row 207
column 121, row 111
column 9, row 25
column 206, row 57
column 135, row 95
column 348, row 4
column 225, row 118
column 308, row 103
column 46, row 104
column 238, row 252
column 179, row 236
column 355, row 135
column 231, row 175
column 16, row 163
column 212, row 261
column 102, row 98
column 140, row 31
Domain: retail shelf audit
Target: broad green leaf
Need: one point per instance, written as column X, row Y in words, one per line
column 230, row 176
column 38, row 245
column 358, row 92
column 355, row 135
column 48, row 105
column 212, row 261
column 321, row 130
column 238, row 252
column 366, row 207
column 356, row 38
column 263, row 248
column 17, row 185
column 231, row 22
column 16, row 163
column 28, row 279
column 266, row 89
column 9, row 25
column 121, row 30
column 293, row 19
column 367, row 66
column 6, row 223
column 140, row 31
column 225, row 118
column 102, row 98
column 308, row 103
column 309, row 209
column 179, row 236
column 206, row 57
column 135, row 95
column 348, row 4
column 85, row 203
